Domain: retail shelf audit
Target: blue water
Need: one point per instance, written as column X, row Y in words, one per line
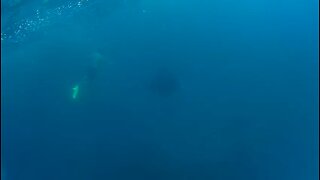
column 186, row 89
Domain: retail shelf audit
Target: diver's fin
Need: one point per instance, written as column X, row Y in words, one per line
column 75, row 92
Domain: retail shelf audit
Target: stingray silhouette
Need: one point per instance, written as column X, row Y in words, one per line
column 164, row 83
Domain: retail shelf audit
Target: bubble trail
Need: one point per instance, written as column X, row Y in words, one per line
column 20, row 30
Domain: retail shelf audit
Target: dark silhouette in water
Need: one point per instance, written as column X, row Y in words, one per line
column 91, row 73
column 93, row 68
column 89, row 77
column 164, row 83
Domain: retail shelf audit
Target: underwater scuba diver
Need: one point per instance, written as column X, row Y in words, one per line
column 89, row 77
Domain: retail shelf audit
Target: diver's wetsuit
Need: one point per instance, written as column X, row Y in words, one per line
column 87, row 82
column 90, row 76
column 92, row 72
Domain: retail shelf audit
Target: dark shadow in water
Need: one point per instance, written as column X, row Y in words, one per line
column 164, row 83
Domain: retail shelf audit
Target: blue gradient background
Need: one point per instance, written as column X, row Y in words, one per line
column 247, row 107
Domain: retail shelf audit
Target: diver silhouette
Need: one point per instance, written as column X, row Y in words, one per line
column 90, row 76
